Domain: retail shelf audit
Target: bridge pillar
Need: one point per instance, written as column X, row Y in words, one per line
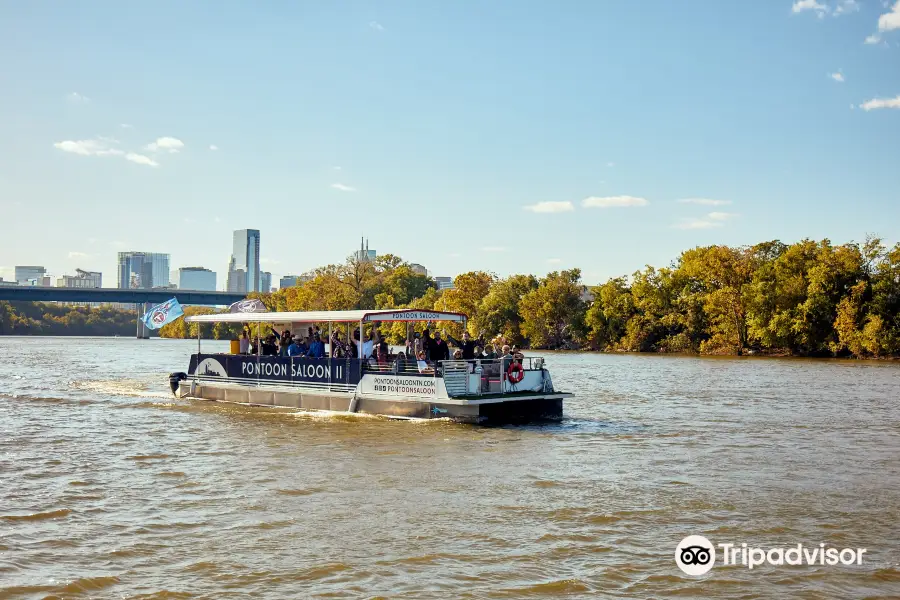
column 142, row 332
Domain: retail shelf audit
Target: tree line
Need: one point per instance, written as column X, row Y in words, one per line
column 808, row 298
column 48, row 318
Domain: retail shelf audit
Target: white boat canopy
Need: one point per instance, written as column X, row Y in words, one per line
column 330, row 316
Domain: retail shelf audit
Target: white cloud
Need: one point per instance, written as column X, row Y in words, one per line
column 713, row 219
column 77, row 98
column 494, row 249
column 891, row 20
column 77, row 255
column 141, row 159
column 213, row 147
column 126, row 126
column 335, row 168
column 269, row 261
column 613, row 201
column 845, row 7
column 704, row 201
column 872, row 39
column 96, row 147
column 837, row 76
column 165, row 143
column 376, row 26
column 550, row 207
column 342, row 187
column 804, row 5
column 454, row 255
column 876, row 103
column 554, row 261
column 610, row 164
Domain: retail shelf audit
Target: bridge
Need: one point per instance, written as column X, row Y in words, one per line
column 141, row 298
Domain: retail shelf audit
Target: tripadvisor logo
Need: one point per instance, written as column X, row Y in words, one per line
column 696, row 555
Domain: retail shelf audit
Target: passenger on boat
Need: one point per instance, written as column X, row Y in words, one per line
column 368, row 347
column 478, row 353
column 506, row 359
column 467, row 344
column 298, row 347
column 269, row 348
column 244, row 343
column 425, row 343
column 316, row 348
column 381, row 349
column 422, row 364
column 437, row 349
column 457, row 354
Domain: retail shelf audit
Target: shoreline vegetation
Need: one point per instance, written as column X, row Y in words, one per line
column 809, row 298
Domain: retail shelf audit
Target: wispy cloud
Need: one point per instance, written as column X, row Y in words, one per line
column 872, row 39
column 554, row 261
column 376, row 26
column 170, row 144
column 613, row 202
column 713, row 219
column 213, row 147
column 342, row 187
column 845, row 7
column 269, row 261
column 335, row 168
column 610, row 164
column 810, row 5
column 705, row 201
column 494, row 249
column 454, row 255
column 876, row 103
column 77, row 98
column 837, row 76
column 550, row 207
column 74, row 254
column 141, row 159
column 126, row 126
column 890, row 21
column 95, row 147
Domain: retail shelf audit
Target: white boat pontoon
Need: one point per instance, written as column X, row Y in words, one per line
column 504, row 390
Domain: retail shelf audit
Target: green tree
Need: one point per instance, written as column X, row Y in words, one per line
column 553, row 313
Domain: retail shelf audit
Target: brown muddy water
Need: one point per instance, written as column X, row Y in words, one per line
column 110, row 488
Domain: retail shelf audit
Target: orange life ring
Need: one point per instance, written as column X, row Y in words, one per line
column 515, row 373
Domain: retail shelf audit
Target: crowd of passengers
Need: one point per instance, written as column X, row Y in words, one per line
column 419, row 348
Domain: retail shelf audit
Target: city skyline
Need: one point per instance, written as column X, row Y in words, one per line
column 510, row 138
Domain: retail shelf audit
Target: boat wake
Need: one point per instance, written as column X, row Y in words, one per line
column 121, row 387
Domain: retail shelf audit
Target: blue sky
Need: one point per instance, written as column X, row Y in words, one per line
column 511, row 136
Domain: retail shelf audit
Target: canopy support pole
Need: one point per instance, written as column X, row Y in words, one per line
column 352, row 407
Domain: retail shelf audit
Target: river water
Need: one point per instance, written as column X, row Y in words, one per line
column 110, row 488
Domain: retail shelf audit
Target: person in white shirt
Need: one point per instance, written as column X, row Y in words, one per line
column 244, row 343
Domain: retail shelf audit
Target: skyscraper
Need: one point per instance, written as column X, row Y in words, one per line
column 265, row 284
column 196, row 278
column 364, row 254
column 142, row 270
column 30, row 275
column 243, row 269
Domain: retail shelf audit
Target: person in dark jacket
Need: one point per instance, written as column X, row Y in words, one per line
column 467, row 344
column 437, row 349
column 316, row 348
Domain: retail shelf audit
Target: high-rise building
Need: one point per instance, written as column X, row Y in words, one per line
column 418, row 269
column 30, row 275
column 265, row 282
column 196, row 278
column 243, row 269
column 81, row 279
column 364, row 254
column 142, row 270
column 444, row 283
column 288, row 281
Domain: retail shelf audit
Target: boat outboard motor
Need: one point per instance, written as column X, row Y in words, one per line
column 174, row 380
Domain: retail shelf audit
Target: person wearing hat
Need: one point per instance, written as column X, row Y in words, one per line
column 316, row 347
